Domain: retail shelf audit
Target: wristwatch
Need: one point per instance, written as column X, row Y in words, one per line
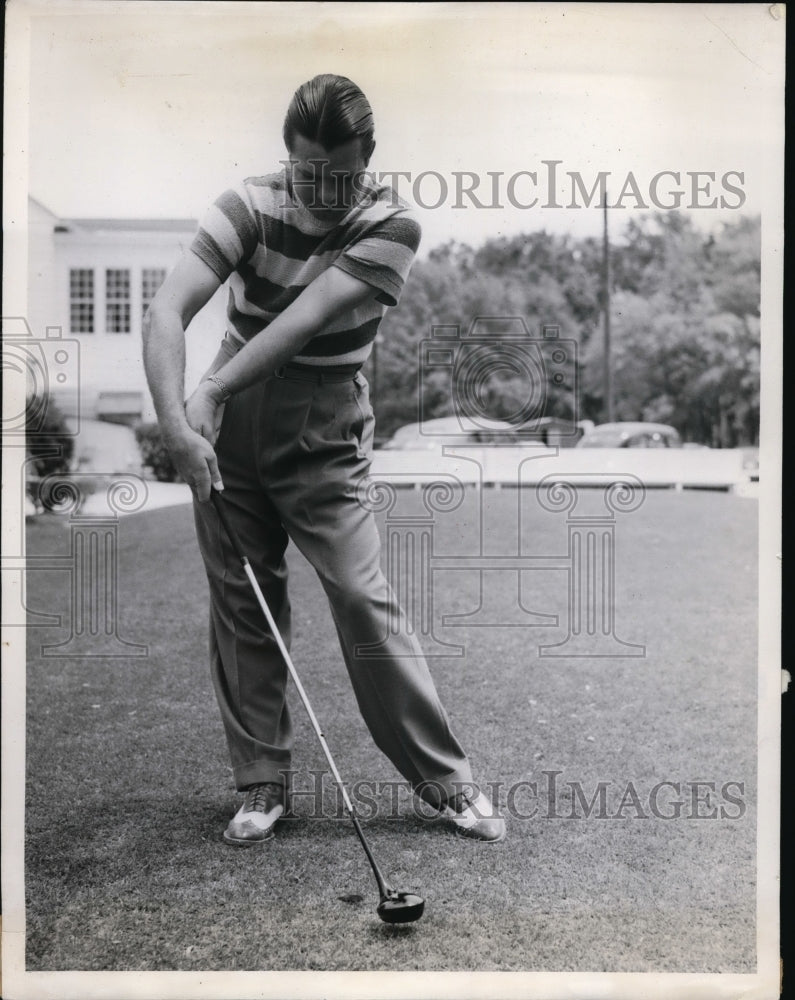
column 225, row 392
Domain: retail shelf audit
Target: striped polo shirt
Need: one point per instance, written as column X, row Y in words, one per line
column 263, row 239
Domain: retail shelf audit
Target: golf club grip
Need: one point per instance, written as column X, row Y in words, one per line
column 218, row 503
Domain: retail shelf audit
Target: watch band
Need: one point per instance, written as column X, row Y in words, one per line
column 225, row 392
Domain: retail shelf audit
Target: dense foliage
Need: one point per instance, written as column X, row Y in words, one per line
column 685, row 324
column 49, row 445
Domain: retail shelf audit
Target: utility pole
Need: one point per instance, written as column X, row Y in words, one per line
column 608, row 367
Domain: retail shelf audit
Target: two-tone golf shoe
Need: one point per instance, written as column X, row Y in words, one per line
column 472, row 815
column 254, row 821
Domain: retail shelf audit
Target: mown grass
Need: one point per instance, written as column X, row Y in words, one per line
column 129, row 787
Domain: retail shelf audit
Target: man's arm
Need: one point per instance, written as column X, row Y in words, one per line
column 189, row 286
column 333, row 292
column 330, row 294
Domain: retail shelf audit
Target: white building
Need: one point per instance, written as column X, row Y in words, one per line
column 92, row 280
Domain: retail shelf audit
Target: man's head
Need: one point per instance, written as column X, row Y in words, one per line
column 332, row 111
column 329, row 134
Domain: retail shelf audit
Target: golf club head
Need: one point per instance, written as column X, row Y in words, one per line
column 401, row 908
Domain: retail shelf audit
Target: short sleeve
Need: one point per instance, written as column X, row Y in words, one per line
column 383, row 256
column 227, row 234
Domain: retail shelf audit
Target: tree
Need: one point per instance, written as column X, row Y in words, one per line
column 685, row 321
column 685, row 330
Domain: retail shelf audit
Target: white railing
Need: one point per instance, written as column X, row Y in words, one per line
column 706, row 468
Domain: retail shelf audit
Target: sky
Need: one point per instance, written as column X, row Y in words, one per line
column 152, row 109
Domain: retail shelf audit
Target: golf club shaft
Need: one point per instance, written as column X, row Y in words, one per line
column 235, row 542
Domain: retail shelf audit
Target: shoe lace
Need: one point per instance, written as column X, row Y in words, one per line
column 459, row 803
column 262, row 798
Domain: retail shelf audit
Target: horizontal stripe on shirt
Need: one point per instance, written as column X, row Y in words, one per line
column 329, row 345
column 271, row 248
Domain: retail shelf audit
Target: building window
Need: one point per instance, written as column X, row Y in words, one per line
column 117, row 300
column 151, row 279
column 81, row 300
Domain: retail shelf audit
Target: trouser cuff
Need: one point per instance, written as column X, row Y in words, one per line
column 436, row 791
column 256, row 772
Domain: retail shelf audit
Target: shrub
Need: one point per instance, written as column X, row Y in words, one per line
column 49, row 445
column 154, row 454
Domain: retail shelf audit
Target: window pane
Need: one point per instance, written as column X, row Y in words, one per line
column 82, row 317
column 117, row 300
column 151, row 279
column 117, row 317
column 117, row 283
column 81, row 300
column 81, row 283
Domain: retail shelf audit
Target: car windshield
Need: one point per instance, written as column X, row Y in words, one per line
column 602, row 439
column 631, row 436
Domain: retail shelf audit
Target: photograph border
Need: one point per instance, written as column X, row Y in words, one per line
column 19, row 984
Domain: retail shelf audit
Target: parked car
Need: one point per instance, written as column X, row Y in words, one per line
column 631, row 434
column 432, row 434
column 553, row 431
column 751, row 462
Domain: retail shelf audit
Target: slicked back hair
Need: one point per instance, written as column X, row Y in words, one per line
column 330, row 110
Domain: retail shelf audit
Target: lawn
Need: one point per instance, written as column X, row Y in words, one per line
column 129, row 787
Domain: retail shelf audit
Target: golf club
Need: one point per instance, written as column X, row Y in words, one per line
column 395, row 907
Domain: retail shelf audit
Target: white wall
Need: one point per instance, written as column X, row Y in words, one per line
column 111, row 361
column 41, row 269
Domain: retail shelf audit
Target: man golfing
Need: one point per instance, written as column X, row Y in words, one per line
column 313, row 255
